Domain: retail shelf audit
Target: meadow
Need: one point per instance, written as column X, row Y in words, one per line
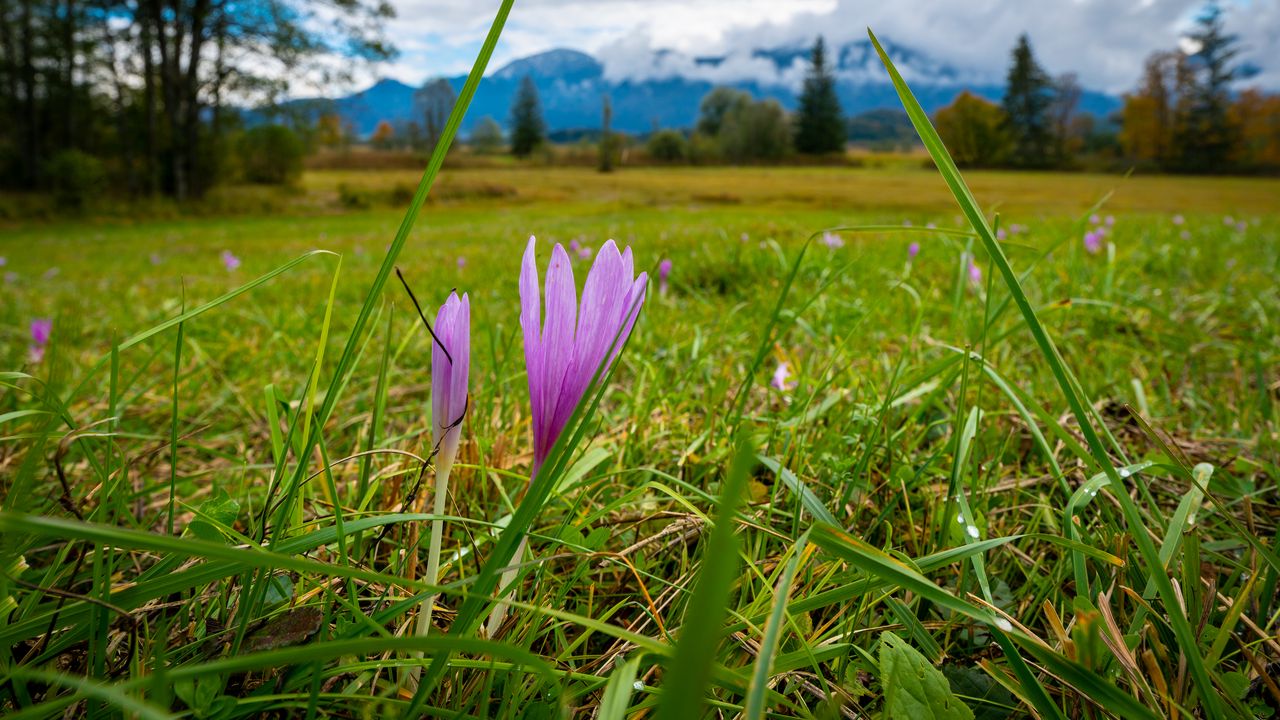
column 226, row 516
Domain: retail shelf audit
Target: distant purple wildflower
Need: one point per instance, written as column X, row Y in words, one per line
column 41, row 330
column 975, row 273
column 932, row 226
column 584, row 252
column 1001, row 234
column 565, row 345
column 11, row 277
column 230, row 261
column 1242, row 226
column 832, row 240
column 156, row 259
column 664, row 272
column 744, row 237
column 51, row 273
column 1110, row 221
column 462, row 262
column 913, row 250
column 1228, row 220
column 3, row 261
column 574, row 246
column 1178, row 220
column 906, row 223
column 780, row 375
column 1185, row 234
column 1093, row 241
column 1095, row 219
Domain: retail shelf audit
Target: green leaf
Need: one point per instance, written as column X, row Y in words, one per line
column 219, row 510
column 617, row 694
column 914, row 689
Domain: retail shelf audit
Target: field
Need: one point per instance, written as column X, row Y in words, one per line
column 228, row 517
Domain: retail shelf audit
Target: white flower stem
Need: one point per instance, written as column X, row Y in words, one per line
column 499, row 612
column 444, row 463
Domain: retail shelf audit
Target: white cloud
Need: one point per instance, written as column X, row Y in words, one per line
column 1103, row 41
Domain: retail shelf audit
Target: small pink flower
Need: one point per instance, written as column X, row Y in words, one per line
column 744, row 237
column 913, row 250
column 1001, row 234
column 1094, row 219
column 3, row 261
column 664, row 272
column 832, row 240
column 780, row 375
column 1093, row 242
column 462, row 262
column 41, row 330
column 1185, row 234
column 1242, row 226
column 230, row 261
column 11, row 277
column 1228, row 220
column 584, row 252
column 35, row 354
column 1110, row 221
column 975, row 273
column 156, row 259
column 574, row 246
column 1178, row 220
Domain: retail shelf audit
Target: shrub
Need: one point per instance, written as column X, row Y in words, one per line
column 271, row 154
column 667, row 146
column 74, row 177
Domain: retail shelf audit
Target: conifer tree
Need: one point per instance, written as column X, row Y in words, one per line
column 1205, row 138
column 1027, row 97
column 528, row 130
column 820, row 124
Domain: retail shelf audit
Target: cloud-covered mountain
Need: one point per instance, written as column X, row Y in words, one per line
column 663, row 88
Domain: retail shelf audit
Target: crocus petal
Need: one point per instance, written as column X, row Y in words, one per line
column 449, row 378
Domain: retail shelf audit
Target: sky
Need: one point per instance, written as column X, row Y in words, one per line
column 1103, row 41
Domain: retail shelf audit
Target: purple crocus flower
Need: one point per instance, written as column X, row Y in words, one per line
column 913, row 250
column 1095, row 219
column 230, row 261
column 51, row 273
column 584, row 253
column 1178, row 220
column 156, row 259
column 1110, row 220
column 906, row 223
column 564, row 348
column 450, row 364
column 462, row 262
column 11, row 277
column 1001, row 234
column 1093, row 242
column 1242, row 226
column 575, row 246
column 975, row 274
column 832, row 240
column 1185, row 234
column 664, row 272
column 449, row 373
column 3, row 261
column 1228, row 220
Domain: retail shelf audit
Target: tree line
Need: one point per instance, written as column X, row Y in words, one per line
column 139, row 93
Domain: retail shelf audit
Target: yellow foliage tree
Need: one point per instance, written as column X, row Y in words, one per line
column 973, row 129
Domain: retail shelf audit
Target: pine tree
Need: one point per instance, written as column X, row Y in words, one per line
column 1205, row 138
column 1027, row 97
column 820, row 124
column 528, row 130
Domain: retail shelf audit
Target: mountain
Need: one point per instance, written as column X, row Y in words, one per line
column 665, row 89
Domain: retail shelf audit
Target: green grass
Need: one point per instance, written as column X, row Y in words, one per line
column 918, row 397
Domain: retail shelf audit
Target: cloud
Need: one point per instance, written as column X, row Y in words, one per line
column 1103, row 41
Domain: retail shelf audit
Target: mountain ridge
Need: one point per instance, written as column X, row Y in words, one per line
column 666, row 91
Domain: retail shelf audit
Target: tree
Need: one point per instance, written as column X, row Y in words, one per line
column 606, row 138
column 715, row 105
column 1028, row 94
column 331, row 131
column 432, row 104
column 820, row 127
column 1148, row 115
column 757, row 131
column 667, row 146
column 383, row 135
column 271, row 154
column 486, row 136
column 1205, row 138
column 1257, row 117
column 528, row 131
column 974, row 130
column 1062, row 114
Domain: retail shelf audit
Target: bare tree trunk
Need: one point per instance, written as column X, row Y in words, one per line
column 191, row 99
column 28, row 137
column 69, row 76
column 150, row 179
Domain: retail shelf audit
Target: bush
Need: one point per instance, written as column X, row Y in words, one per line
column 667, row 146
column 271, row 154
column 74, row 177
